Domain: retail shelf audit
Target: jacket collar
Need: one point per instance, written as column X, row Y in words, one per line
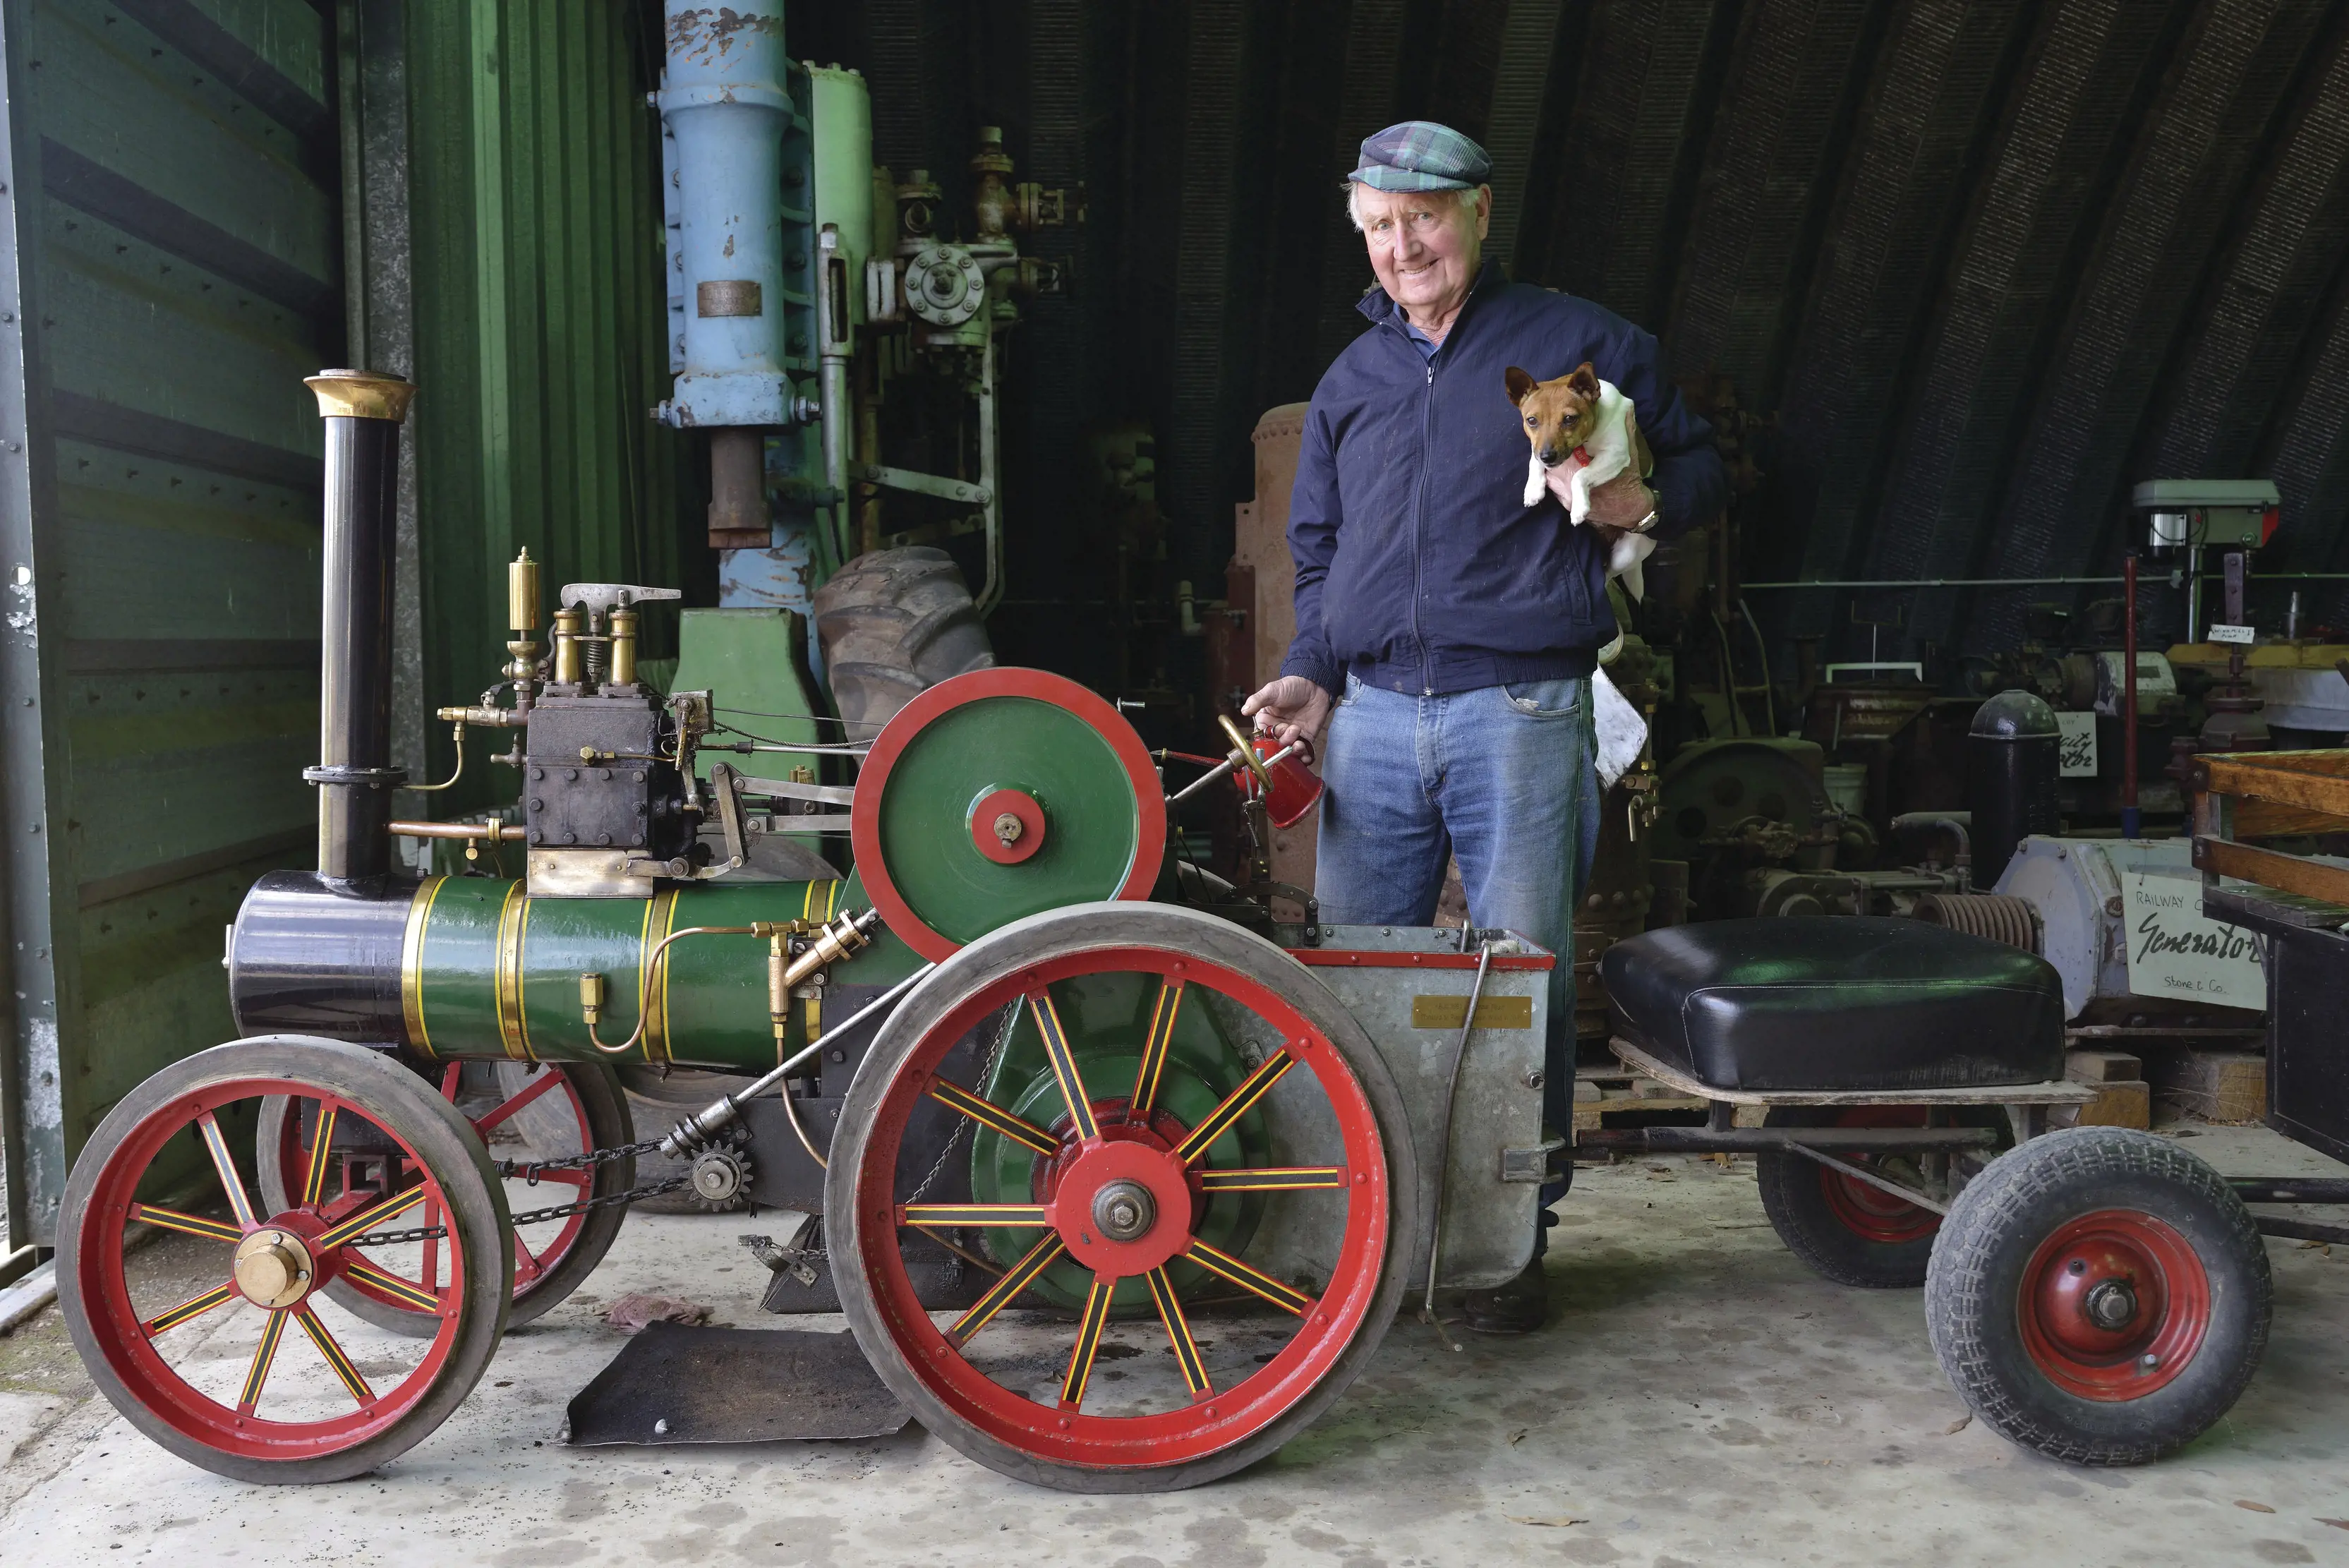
column 1380, row 306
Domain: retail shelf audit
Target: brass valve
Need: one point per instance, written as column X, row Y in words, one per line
column 828, row 944
column 591, row 999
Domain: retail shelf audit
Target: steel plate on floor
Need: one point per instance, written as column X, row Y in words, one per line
column 677, row 1384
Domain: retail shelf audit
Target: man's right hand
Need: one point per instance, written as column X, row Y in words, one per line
column 1291, row 709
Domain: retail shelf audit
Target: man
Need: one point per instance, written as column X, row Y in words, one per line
column 1447, row 632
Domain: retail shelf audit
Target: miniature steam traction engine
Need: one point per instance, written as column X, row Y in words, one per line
column 1019, row 1043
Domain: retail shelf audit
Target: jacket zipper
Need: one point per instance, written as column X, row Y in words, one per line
column 1419, row 517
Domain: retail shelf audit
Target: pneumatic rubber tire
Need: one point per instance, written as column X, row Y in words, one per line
column 89, row 1246
column 607, row 1124
column 1842, row 1230
column 2000, row 1268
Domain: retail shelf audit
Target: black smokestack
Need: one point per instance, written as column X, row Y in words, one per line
column 363, row 412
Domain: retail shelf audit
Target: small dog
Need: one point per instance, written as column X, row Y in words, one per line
column 1585, row 433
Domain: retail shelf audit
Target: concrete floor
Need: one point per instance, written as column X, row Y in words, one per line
column 1697, row 1399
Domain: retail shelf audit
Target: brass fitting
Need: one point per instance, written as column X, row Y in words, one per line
column 521, row 595
column 591, row 999
column 486, row 718
column 570, row 667
column 622, row 625
column 840, row 936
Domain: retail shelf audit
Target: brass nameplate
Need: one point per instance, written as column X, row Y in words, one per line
column 728, row 296
column 1492, row 1011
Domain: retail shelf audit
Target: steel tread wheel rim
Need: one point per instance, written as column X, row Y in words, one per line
column 1229, row 1420
column 119, row 1343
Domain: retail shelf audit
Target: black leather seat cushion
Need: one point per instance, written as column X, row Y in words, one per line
column 1835, row 1003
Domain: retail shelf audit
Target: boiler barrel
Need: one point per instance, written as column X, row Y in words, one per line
column 473, row 966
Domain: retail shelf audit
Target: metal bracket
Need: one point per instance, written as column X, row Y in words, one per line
column 1530, row 1164
column 921, row 483
column 791, row 789
column 370, row 778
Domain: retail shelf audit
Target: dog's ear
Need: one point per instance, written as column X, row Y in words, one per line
column 1519, row 384
column 1584, row 380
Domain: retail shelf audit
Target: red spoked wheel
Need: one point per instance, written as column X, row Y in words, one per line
column 1847, row 1230
column 1152, row 1404
column 214, row 1375
column 527, row 1113
column 2115, row 1304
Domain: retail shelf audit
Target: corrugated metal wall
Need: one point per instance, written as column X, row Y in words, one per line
column 1987, row 262
column 540, row 315
column 175, row 192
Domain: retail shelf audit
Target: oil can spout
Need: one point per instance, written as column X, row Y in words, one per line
column 363, row 412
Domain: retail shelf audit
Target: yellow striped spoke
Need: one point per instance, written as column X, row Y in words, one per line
column 321, row 1153
column 1236, row 1105
column 263, row 1356
column 348, row 1372
column 1178, row 1333
column 194, row 1225
column 1064, row 1067
column 216, row 1146
column 1272, row 1179
column 1153, row 1050
column 1088, row 1333
column 375, row 1214
column 1216, row 1261
column 1019, row 1129
column 420, row 1297
column 187, row 1311
column 1034, row 1261
column 971, row 1214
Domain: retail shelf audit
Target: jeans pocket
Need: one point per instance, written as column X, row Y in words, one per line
column 1560, row 699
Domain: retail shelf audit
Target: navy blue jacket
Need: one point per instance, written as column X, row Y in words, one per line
column 1419, row 567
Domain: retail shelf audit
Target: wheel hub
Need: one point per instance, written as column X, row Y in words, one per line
column 2110, row 1305
column 1124, row 1210
column 1107, row 1203
column 273, row 1268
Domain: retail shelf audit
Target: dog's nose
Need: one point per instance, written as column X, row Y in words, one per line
column 1549, row 457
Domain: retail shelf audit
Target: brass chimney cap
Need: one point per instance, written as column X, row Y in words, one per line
column 361, row 394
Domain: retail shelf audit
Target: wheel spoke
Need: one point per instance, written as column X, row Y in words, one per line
column 1064, row 1065
column 321, row 1154
column 429, row 1270
column 450, row 1077
column 423, row 1299
column 1215, row 1261
column 971, row 1214
column 1088, row 1333
column 1019, row 1129
column 1236, row 1105
column 217, row 1146
column 1272, row 1179
column 194, row 1225
column 375, row 1214
column 548, row 1077
column 263, row 1356
column 344, row 1369
column 1178, row 1333
column 526, row 1264
column 1154, row 1047
column 1036, row 1260
column 187, row 1311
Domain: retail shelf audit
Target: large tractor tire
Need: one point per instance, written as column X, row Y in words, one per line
column 892, row 624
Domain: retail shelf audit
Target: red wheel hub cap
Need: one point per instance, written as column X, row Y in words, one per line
column 1104, row 1183
column 2114, row 1305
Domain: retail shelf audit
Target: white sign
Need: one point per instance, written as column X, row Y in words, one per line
column 2079, row 752
column 2174, row 950
column 2221, row 632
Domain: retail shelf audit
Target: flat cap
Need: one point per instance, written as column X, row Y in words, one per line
column 1420, row 155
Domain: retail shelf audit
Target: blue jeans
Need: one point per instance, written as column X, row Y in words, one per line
column 1500, row 776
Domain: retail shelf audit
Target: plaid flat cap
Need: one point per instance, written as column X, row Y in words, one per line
column 1420, row 155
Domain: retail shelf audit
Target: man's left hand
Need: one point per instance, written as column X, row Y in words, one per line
column 1623, row 502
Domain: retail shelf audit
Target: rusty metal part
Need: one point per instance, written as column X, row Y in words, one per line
column 2002, row 918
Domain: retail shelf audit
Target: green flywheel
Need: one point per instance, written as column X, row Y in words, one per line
column 997, row 795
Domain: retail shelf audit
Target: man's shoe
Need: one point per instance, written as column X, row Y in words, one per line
column 1519, row 1306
